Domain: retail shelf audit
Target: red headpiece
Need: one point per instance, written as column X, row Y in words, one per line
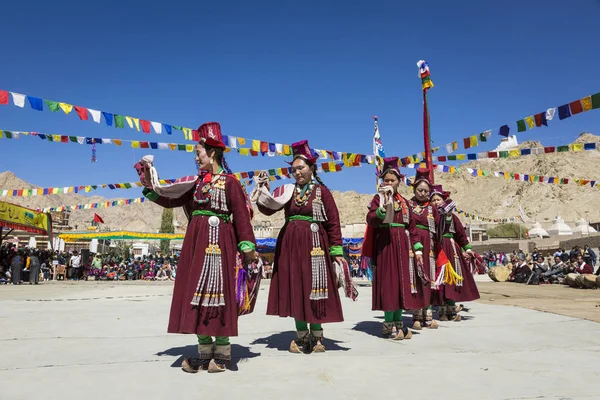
column 390, row 164
column 422, row 175
column 210, row 133
column 302, row 149
column 439, row 190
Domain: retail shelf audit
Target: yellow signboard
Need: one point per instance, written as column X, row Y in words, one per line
column 21, row 218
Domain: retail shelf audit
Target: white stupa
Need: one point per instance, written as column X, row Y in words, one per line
column 538, row 231
column 583, row 227
column 559, row 227
column 508, row 143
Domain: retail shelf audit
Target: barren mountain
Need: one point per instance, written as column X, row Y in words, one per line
column 486, row 196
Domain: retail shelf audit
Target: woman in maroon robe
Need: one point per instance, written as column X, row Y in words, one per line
column 423, row 238
column 204, row 298
column 455, row 245
column 397, row 284
column 303, row 284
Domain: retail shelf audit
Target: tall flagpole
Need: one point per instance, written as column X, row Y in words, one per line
column 378, row 151
column 426, row 85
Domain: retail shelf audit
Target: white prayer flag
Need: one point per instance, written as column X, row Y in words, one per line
column 163, row 146
column 80, row 140
column 18, row 99
column 95, row 115
column 233, row 142
column 550, row 113
column 157, row 126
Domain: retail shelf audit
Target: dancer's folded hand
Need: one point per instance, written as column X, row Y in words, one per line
column 419, row 259
column 250, row 256
column 339, row 259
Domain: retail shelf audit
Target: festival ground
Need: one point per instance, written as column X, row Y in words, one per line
column 108, row 341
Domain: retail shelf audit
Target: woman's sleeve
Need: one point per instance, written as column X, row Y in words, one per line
column 167, row 202
column 375, row 216
column 461, row 235
column 236, row 201
column 332, row 225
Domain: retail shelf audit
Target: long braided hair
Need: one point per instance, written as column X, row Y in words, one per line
column 313, row 167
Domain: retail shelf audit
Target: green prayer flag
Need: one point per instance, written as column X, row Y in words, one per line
column 119, row 121
column 73, row 139
column 503, row 154
column 272, row 172
column 181, row 147
column 8, row 134
column 127, row 185
column 52, row 105
column 485, row 173
column 482, row 137
column 521, row 125
column 561, row 149
column 94, row 187
column 536, row 178
column 458, row 170
column 49, row 138
column 177, row 127
column 596, row 100
column 452, row 157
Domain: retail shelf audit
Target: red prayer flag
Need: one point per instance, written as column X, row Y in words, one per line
column 195, row 135
column 145, row 125
column 517, row 177
column 576, row 107
column 98, row 219
column 3, row 97
column 144, row 145
column 467, row 142
column 549, row 149
column 566, row 181
column 538, row 119
column 541, row 179
column 264, row 147
column 253, row 153
column 442, row 158
column 64, row 139
column 492, row 154
column 82, row 112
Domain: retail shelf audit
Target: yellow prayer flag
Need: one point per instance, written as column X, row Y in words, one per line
column 530, row 122
column 577, row 146
column 187, row 133
column 129, row 121
column 1, row 134
column 452, row 170
column 135, row 145
column 173, row 146
column 479, row 172
column 245, row 151
column 118, row 142
column 88, row 189
column 40, row 192
column 506, row 175
column 67, row 108
column 227, row 150
column 56, row 138
column 54, row 190
column 287, row 150
column 241, row 141
column 514, row 153
column 137, row 123
column 586, row 102
column 256, row 145
column 461, row 157
column 474, row 141
column 189, row 148
column 455, row 146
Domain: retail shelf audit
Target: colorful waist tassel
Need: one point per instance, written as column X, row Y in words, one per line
column 209, row 292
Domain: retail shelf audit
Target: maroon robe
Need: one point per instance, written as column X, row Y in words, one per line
column 391, row 260
column 291, row 284
column 209, row 321
column 420, row 214
column 468, row 291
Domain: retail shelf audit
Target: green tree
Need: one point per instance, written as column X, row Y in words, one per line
column 166, row 226
column 507, row 231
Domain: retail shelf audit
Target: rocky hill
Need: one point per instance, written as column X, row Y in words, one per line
column 486, row 196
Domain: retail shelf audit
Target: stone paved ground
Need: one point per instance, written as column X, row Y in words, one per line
column 107, row 341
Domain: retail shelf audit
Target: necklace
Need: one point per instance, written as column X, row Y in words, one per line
column 301, row 196
column 206, row 185
column 418, row 209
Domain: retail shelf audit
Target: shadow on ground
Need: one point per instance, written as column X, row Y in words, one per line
column 281, row 341
column 239, row 354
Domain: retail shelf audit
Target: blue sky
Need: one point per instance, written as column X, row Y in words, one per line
column 283, row 71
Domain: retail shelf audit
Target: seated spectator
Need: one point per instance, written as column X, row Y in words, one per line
column 581, row 267
column 558, row 271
